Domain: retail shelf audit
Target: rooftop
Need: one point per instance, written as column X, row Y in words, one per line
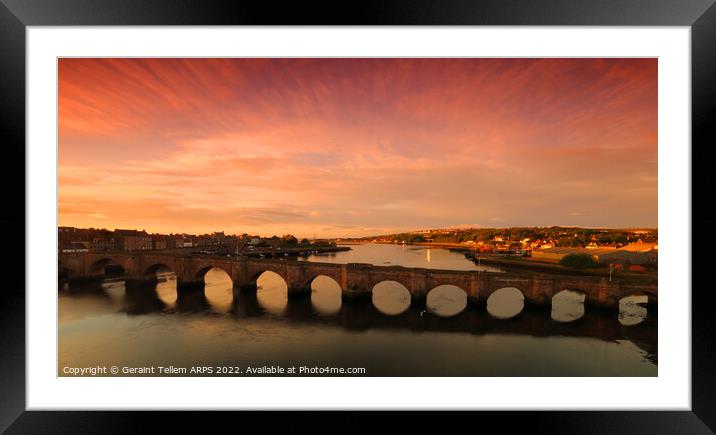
column 567, row 251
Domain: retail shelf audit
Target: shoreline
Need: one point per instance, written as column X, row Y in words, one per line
column 245, row 253
column 524, row 263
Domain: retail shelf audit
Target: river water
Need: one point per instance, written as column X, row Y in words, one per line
column 108, row 325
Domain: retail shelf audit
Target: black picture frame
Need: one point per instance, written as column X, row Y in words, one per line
column 16, row 15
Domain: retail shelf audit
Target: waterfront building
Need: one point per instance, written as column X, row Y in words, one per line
column 73, row 247
column 160, row 241
column 132, row 240
column 105, row 243
column 638, row 253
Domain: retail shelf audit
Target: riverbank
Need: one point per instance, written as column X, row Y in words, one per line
column 293, row 252
column 516, row 262
column 527, row 263
column 267, row 252
column 455, row 246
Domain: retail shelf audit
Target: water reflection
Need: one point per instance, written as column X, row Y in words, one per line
column 272, row 292
column 568, row 305
column 192, row 301
column 140, row 326
column 75, row 306
column 505, row 303
column 325, row 295
column 154, row 325
column 446, row 300
column 218, row 290
column 391, row 298
column 400, row 255
column 631, row 310
column 115, row 290
column 167, row 288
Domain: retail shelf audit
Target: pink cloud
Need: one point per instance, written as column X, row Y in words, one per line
column 354, row 145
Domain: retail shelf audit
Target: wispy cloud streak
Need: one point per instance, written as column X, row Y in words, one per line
column 353, row 146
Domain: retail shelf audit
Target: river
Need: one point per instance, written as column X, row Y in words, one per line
column 107, row 325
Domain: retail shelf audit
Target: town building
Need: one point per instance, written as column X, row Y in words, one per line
column 558, row 253
column 99, row 244
column 638, row 253
column 73, row 247
column 640, row 246
column 160, row 242
column 219, row 238
column 132, row 240
column 204, row 240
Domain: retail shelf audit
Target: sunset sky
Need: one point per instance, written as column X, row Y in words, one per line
column 350, row 147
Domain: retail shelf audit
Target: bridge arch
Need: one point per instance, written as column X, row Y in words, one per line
column 568, row 305
column 215, row 288
column 107, row 267
column 322, row 278
column 382, row 276
column 506, row 302
column 390, row 297
column 333, row 276
column 256, row 275
column 326, row 294
column 218, row 289
column 165, row 287
column 637, row 292
column 272, row 291
column 446, row 300
column 202, row 271
column 154, row 269
column 63, row 270
column 256, row 269
column 633, row 308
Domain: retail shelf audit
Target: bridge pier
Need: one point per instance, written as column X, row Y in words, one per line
column 537, row 299
column 606, row 307
column 246, row 288
column 608, row 304
column 355, row 295
column 418, row 300
column 475, row 301
column 538, row 304
column 83, row 280
column 241, row 290
column 299, row 308
column 357, row 314
column 598, row 302
column 189, row 285
column 137, row 283
column 299, row 292
column 538, row 291
column 247, row 304
column 141, row 293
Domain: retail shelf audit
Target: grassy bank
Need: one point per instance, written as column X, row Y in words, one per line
column 527, row 263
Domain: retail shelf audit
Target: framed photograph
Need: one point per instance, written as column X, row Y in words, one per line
column 420, row 207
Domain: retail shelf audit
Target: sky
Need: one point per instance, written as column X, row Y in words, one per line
column 351, row 147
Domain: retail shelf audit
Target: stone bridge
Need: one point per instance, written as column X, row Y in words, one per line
column 355, row 279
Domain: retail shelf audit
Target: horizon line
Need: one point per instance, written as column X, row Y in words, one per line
column 453, row 228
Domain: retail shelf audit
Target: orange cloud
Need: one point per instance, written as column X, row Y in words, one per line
column 349, row 146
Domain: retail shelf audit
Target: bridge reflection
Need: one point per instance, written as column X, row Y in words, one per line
column 361, row 315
